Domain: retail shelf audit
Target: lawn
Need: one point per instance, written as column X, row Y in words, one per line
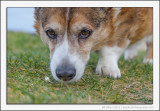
column 28, row 66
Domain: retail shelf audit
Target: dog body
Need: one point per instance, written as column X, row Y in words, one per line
column 72, row 33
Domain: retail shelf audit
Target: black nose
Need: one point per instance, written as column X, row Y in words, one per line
column 65, row 73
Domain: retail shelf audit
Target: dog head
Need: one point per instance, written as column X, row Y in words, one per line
column 71, row 34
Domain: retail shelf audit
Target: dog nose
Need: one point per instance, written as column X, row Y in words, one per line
column 65, row 73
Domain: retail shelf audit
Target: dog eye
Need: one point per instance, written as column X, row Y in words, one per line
column 51, row 34
column 84, row 34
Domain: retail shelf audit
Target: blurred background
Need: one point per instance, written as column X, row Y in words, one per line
column 20, row 19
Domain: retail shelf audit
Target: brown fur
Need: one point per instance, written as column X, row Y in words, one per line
column 149, row 53
column 134, row 25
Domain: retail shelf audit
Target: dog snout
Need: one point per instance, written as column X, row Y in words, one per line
column 65, row 73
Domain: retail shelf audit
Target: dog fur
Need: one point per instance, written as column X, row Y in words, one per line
column 114, row 30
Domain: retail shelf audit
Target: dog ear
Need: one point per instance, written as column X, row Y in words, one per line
column 37, row 12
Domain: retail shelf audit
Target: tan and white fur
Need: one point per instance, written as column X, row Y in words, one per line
column 114, row 31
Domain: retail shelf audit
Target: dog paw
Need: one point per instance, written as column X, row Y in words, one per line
column 148, row 61
column 113, row 72
column 129, row 54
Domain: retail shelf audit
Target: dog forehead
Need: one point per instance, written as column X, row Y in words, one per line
column 94, row 15
column 45, row 14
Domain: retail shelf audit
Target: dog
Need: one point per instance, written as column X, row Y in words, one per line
column 72, row 33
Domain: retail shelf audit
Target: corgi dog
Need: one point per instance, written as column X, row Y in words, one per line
column 72, row 33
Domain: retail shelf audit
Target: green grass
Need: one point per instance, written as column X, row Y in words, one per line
column 28, row 65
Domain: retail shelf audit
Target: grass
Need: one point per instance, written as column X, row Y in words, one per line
column 28, row 65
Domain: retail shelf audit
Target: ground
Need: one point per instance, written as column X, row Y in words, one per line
column 28, row 66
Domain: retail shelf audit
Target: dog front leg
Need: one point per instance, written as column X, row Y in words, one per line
column 108, row 61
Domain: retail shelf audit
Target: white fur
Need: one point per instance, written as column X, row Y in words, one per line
column 62, row 52
column 131, row 51
column 117, row 11
column 148, row 61
column 108, row 61
column 67, row 15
